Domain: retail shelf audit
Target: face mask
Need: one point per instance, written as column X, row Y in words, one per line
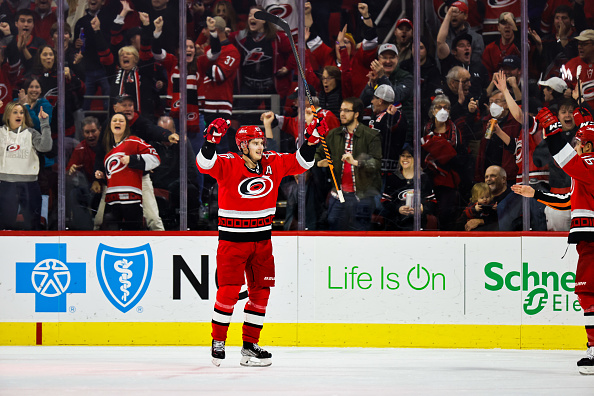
column 442, row 115
column 496, row 110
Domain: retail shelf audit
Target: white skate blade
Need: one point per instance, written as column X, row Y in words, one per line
column 216, row 362
column 586, row 370
column 250, row 361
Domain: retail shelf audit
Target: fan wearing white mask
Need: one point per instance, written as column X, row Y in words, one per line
column 500, row 148
column 441, row 145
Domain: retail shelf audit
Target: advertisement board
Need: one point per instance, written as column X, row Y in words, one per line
column 407, row 291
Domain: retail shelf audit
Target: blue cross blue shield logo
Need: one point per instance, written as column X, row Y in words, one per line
column 124, row 274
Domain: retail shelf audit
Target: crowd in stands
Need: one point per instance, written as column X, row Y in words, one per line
column 123, row 101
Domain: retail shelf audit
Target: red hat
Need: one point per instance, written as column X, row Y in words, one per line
column 404, row 20
column 463, row 7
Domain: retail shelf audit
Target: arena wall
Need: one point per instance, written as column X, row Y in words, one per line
column 422, row 290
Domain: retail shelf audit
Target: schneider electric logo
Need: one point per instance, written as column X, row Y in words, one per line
column 544, row 288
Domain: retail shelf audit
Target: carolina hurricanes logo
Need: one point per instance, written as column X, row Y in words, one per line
column 588, row 88
column 176, row 104
column 255, row 187
column 52, row 96
column 501, row 3
column 192, row 116
column 402, row 194
column 3, row 91
column 280, row 10
column 254, row 56
column 13, row 147
column 113, row 164
column 519, row 151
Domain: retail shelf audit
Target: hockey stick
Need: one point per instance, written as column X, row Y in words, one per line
column 579, row 85
column 265, row 16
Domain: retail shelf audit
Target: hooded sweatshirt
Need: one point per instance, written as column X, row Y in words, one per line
column 18, row 151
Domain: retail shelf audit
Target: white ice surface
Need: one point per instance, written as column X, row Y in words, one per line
column 64, row 370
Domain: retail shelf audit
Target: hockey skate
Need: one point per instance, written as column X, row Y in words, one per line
column 218, row 352
column 254, row 356
column 586, row 365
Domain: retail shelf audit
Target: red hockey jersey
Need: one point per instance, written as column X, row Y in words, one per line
column 581, row 170
column 124, row 182
column 215, row 91
column 247, row 198
column 586, row 77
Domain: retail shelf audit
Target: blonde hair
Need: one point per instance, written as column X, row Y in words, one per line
column 27, row 122
column 131, row 50
column 478, row 190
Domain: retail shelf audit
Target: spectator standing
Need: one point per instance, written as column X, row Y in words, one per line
column 126, row 159
column 585, row 59
column 456, row 18
column 19, row 166
column 356, row 154
column 504, row 46
column 22, row 48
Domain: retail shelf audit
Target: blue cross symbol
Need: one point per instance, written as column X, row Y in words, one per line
column 50, row 277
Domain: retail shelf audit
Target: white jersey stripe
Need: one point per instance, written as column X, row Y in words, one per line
column 205, row 163
column 242, row 230
column 565, row 155
column 582, row 213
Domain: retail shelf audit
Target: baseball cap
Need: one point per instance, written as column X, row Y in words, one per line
column 385, row 92
column 508, row 17
column 586, row 35
column 512, row 61
column 122, row 98
column 220, row 23
column 555, row 83
column 460, row 37
column 295, row 93
column 404, row 20
column 461, row 6
column 387, row 47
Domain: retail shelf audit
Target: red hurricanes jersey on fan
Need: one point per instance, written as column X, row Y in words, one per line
column 215, row 95
column 170, row 64
column 586, row 76
column 124, row 184
column 494, row 8
column 247, row 199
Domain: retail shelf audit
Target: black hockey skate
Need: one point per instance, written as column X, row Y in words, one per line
column 586, row 365
column 254, row 356
column 218, row 352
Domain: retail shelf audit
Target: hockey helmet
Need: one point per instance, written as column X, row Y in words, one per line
column 586, row 133
column 247, row 133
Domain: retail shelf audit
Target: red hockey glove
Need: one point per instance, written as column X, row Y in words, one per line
column 216, row 130
column 315, row 130
column 581, row 115
column 548, row 121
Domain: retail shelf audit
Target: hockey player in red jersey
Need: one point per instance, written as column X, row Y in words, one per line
column 248, row 189
column 579, row 164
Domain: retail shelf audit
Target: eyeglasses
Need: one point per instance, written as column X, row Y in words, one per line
column 347, row 111
column 463, row 81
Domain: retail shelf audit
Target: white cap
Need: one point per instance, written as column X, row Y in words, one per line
column 554, row 83
column 385, row 92
column 387, row 47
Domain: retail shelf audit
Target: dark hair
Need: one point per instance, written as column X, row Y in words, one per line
column 567, row 102
column 564, row 9
column 25, row 12
column 54, row 29
column 38, row 68
column 108, row 139
column 28, row 81
column 358, row 106
column 269, row 28
column 335, row 73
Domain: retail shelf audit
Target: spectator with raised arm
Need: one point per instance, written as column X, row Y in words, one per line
column 456, row 19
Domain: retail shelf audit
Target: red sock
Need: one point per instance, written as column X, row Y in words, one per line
column 227, row 297
column 587, row 303
column 255, row 310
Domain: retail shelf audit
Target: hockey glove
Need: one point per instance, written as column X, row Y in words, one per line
column 315, row 130
column 216, row 130
column 548, row 121
column 581, row 115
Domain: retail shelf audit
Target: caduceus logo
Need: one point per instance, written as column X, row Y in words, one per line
column 124, row 274
column 113, row 164
column 255, row 187
column 122, row 267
